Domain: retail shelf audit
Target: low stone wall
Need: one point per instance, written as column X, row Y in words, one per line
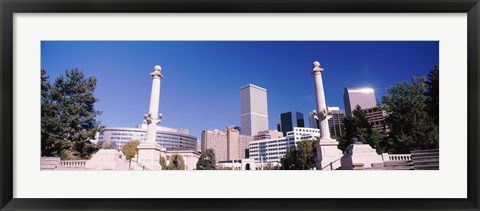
column 49, row 163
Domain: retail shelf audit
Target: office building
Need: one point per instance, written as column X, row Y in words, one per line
column 376, row 117
column 217, row 141
column 364, row 97
column 170, row 138
column 313, row 121
column 272, row 150
column 228, row 144
column 336, row 122
column 291, row 119
column 253, row 109
column 268, row 134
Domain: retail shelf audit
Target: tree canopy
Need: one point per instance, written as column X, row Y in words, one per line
column 303, row 156
column 413, row 118
column 432, row 94
column 176, row 162
column 357, row 126
column 130, row 149
column 68, row 115
column 163, row 162
column 206, row 160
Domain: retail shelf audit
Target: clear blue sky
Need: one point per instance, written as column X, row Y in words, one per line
column 201, row 87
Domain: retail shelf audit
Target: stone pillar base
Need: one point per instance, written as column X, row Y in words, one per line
column 363, row 155
column 328, row 155
column 149, row 155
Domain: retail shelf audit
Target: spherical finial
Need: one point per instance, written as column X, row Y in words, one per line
column 158, row 68
column 316, row 64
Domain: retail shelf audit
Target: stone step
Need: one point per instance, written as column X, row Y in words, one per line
column 396, row 163
column 424, row 150
column 398, row 168
column 428, row 159
column 425, row 155
column 426, row 167
column 47, row 166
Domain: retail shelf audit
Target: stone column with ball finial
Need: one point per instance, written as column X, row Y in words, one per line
column 328, row 155
column 149, row 151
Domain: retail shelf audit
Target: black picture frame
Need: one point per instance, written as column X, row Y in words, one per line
column 10, row 7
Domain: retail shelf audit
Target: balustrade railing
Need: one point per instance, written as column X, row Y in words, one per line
column 73, row 163
column 397, row 157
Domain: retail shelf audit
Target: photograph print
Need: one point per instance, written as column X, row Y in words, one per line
column 239, row 105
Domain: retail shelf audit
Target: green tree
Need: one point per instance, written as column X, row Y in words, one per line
column 52, row 142
column 65, row 155
column 130, row 149
column 206, row 160
column 411, row 127
column 300, row 157
column 176, row 162
column 357, row 126
column 163, row 162
column 375, row 140
column 68, row 115
column 432, row 94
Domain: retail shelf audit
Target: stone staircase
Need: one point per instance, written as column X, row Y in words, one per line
column 138, row 166
column 426, row 159
column 398, row 165
column 417, row 160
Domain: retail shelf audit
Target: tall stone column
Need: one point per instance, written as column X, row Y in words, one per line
column 328, row 155
column 149, row 151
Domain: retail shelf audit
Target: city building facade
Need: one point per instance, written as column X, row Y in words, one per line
column 228, row 144
column 217, row 141
column 313, row 122
column 272, row 150
column 364, row 97
column 289, row 120
column 376, row 117
column 336, row 122
column 170, row 138
column 268, row 134
column 253, row 109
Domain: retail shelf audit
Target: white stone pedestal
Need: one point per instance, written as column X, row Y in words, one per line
column 149, row 155
column 107, row 159
column 328, row 155
column 363, row 154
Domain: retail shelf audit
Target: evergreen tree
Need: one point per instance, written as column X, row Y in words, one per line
column 357, row 126
column 68, row 115
column 432, row 94
column 411, row 127
column 206, row 160
column 52, row 143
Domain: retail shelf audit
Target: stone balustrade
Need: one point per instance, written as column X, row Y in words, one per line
column 396, row 157
column 73, row 163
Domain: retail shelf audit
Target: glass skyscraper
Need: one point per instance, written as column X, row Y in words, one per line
column 291, row 119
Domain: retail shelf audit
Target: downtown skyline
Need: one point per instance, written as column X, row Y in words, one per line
column 201, row 88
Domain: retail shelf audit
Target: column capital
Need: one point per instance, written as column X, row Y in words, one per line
column 157, row 72
column 316, row 68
